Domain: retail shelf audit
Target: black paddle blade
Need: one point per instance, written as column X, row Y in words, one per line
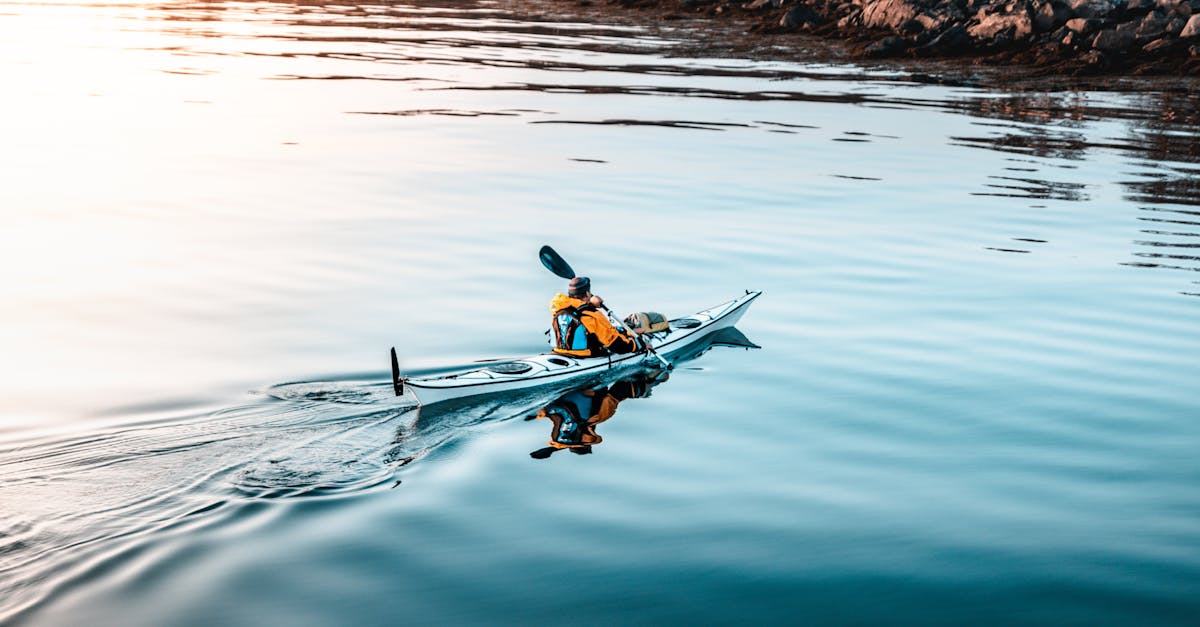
column 543, row 453
column 397, row 384
column 555, row 263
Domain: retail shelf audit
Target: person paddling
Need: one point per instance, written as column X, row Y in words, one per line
column 578, row 327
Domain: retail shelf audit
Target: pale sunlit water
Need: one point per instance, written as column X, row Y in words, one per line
column 975, row 399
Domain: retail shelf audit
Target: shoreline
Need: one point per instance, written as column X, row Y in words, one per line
column 1016, row 44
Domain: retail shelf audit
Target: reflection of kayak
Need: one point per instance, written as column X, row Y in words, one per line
column 684, row 334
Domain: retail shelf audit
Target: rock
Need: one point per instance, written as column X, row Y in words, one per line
column 771, row 4
column 1194, row 51
column 1175, row 25
column 911, row 27
column 1049, row 17
column 935, row 22
column 1002, row 39
column 1152, row 27
column 1113, row 40
column 800, row 15
column 1158, row 45
column 1192, row 28
column 1139, row 6
column 1083, row 26
column 952, row 40
column 886, row 47
column 1097, row 9
column 797, row 17
column 990, row 26
column 887, row 13
column 953, row 9
column 1095, row 59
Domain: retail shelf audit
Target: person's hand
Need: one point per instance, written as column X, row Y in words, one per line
column 596, row 301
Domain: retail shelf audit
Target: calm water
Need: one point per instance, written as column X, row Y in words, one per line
column 976, row 397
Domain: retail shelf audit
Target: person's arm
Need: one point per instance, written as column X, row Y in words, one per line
column 612, row 339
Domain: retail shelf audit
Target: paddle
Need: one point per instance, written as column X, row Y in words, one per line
column 559, row 266
column 555, row 263
column 397, row 382
column 543, row 453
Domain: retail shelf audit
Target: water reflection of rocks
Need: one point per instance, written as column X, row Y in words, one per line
column 1048, row 136
column 1159, row 142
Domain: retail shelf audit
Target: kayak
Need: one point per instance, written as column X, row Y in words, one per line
column 682, row 336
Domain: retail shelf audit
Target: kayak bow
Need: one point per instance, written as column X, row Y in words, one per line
column 550, row 368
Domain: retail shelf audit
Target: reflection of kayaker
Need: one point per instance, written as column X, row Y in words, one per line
column 580, row 329
column 575, row 414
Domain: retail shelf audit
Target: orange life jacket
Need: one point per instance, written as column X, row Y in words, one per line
column 579, row 330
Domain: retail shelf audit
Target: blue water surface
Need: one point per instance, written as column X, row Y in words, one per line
column 974, row 402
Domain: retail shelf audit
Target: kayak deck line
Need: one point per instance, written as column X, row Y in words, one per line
column 547, row 368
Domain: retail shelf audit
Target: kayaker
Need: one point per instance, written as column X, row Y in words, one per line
column 580, row 329
column 576, row 414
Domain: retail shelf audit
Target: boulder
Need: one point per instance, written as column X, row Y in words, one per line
column 1050, row 16
column 1175, row 25
column 936, row 22
column 1095, row 59
column 888, row 13
column 1083, row 26
column 770, row 4
column 990, row 26
column 911, row 27
column 1097, row 9
column 951, row 40
column 800, row 15
column 1192, row 28
column 1152, row 27
column 1159, row 45
column 1113, row 40
column 1139, row 6
column 886, row 47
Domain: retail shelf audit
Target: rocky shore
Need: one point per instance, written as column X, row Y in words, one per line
column 1046, row 37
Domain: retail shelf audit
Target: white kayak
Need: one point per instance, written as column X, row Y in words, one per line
column 683, row 335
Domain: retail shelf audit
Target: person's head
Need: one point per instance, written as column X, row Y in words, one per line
column 580, row 287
